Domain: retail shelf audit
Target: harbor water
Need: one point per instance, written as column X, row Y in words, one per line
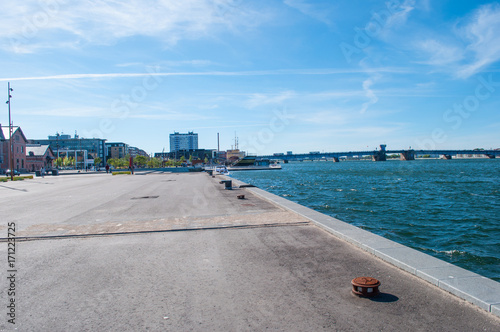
column 449, row 209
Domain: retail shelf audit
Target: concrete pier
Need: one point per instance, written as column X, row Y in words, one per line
column 178, row 252
column 407, row 155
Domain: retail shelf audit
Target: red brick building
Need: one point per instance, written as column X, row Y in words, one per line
column 19, row 146
column 38, row 156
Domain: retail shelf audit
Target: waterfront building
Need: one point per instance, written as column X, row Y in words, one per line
column 221, row 155
column 19, row 147
column 38, row 156
column 84, row 150
column 235, row 154
column 116, row 150
column 180, row 141
column 134, row 152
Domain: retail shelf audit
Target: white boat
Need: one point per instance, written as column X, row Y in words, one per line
column 222, row 170
column 250, row 163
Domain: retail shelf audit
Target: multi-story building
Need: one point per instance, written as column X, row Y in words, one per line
column 85, row 150
column 134, row 152
column 116, row 150
column 18, row 146
column 180, row 142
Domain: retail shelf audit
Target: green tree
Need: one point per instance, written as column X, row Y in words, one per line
column 190, row 159
column 114, row 162
column 206, row 160
column 58, row 162
column 123, row 162
column 97, row 161
column 183, row 159
column 154, row 162
column 141, row 160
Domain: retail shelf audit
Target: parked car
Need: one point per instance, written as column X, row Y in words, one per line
column 16, row 172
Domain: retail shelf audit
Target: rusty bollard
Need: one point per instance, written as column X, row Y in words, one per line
column 241, row 196
column 365, row 286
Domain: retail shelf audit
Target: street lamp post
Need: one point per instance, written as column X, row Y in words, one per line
column 11, row 148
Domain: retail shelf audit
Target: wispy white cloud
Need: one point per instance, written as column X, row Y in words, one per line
column 149, row 112
column 484, row 37
column 400, row 17
column 471, row 48
column 314, row 10
column 441, row 54
column 387, row 26
column 325, row 71
column 31, row 24
column 260, row 99
column 208, row 107
column 70, row 112
column 373, row 99
column 170, row 63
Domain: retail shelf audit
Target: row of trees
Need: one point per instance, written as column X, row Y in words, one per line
column 142, row 161
column 139, row 161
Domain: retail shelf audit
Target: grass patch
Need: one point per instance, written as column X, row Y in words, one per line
column 16, row 178
column 121, row 173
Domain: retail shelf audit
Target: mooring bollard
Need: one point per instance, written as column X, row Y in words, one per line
column 228, row 184
column 365, row 286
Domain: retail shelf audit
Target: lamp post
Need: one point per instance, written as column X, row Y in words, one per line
column 11, row 148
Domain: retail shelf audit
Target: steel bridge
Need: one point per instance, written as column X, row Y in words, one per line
column 380, row 154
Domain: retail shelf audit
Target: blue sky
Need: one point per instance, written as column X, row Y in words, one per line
column 283, row 75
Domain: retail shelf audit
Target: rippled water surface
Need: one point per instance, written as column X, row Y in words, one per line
column 449, row 209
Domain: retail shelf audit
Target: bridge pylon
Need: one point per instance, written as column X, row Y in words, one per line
column 407, row 155
column 380, row 155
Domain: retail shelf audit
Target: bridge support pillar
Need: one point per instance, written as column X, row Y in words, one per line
column 380, row 155
column 491, row 156
column 407, row 155
column 446, row 156
column 336, row 159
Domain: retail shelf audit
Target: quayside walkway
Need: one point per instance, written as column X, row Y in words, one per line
column 178, row 252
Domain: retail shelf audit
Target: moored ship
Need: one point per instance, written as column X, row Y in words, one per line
column 250, row 163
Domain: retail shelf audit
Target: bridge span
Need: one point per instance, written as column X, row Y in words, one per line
column 379, row 154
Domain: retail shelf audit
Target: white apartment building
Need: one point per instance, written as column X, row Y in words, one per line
column 187, row 141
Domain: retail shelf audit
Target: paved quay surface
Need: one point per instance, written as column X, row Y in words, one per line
column 177, row 252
